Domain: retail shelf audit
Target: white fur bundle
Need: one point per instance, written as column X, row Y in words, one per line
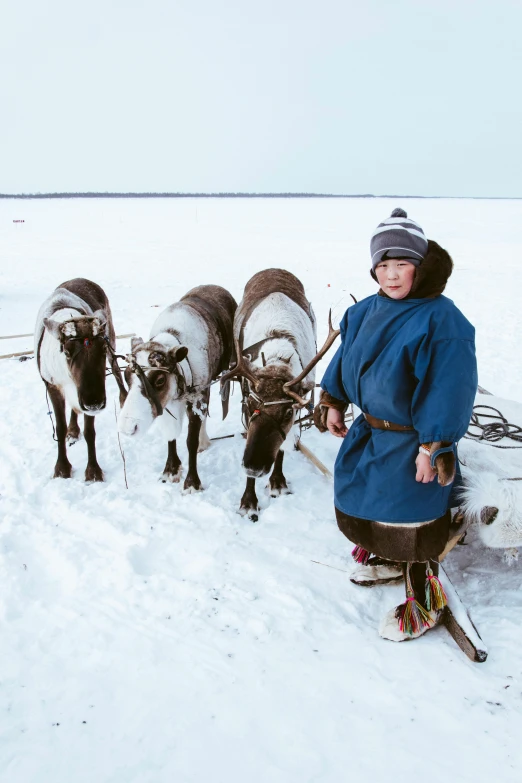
column 484, row 488
column 486, row 471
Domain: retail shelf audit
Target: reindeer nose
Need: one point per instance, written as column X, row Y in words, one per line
column 127, row 425
column 99, row 406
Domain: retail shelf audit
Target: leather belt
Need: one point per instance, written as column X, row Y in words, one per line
column 384, row 424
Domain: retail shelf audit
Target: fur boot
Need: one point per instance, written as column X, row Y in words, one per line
column 376, row 572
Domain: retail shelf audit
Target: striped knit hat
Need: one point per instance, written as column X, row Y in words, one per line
column 398, row 237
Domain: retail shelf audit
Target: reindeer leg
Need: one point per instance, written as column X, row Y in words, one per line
column 119, row 380
column 192, row 482
column 172, row 470
column 73, row 430
column 249, row 504
column 277, row 481
column 93, row 472
column 63, row 467
column 204, row 440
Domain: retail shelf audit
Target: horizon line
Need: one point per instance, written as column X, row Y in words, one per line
column 231, row 194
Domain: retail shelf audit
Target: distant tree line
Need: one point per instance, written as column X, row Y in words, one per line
column 185, row 195
column 238, row 195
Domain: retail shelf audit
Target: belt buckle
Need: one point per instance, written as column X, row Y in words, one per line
column 386, row 424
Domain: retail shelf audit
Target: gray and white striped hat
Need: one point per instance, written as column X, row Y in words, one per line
column 398, row 237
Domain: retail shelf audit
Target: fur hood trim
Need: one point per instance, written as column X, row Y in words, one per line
column 431, row 276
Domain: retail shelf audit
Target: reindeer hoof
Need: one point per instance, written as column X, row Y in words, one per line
column 251, row 513
column 63, row 470
column 191, row 490
column 192, row 485
column 72, row 438
column 93, row 473
column 171, row 478
column 276, row 492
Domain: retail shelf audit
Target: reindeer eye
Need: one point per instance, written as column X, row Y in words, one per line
column 289, row 413
column 160, row 381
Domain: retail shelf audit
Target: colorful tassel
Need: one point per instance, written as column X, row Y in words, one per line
column 435, row 595
column 361, row 555
column 412, row 616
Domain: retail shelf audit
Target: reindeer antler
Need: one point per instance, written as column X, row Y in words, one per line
column 242, row 368
column 332, row 336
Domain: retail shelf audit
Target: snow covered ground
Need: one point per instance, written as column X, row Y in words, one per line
column 150, row 637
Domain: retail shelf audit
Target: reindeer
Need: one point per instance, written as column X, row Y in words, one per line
column 73, row 332
column 275, row 340
column 190, row 344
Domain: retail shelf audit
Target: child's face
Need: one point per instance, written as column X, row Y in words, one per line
column 395, row 277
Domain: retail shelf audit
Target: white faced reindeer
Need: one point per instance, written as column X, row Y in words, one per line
column 275, row 337
column 73, row 331
column 190, row 344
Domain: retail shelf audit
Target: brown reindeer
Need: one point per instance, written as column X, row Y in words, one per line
column 73, row 331
column 275, row 337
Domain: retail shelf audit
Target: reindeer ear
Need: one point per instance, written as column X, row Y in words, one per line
column 54, row 327
column 178, row 354
column 135, row 341
column 99, row 322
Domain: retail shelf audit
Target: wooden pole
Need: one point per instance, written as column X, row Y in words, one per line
column 15, row 336
column 313, row 459
column 28, row 353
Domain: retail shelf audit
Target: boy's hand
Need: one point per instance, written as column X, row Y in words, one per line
column 425, row 472
column 335, row 423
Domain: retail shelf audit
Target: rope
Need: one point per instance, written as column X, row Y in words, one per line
column 50, row 414
column 496, row 430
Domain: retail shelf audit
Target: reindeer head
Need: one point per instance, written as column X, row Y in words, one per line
column 272, row 403
column 82, row 341
column 270, row 414
column 156, row 382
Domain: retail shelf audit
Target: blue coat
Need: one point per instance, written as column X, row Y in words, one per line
column 412, row 362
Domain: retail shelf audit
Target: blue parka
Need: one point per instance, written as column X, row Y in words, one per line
column 412, row 362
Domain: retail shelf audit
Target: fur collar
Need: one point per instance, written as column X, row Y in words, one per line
column 431, row 276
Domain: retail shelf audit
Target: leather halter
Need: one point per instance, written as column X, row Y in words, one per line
column 259, row 411
column 86, row 343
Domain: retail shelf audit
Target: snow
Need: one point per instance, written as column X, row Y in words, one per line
column 149, row 636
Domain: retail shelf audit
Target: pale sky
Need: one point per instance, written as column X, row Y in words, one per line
column 341, row 96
